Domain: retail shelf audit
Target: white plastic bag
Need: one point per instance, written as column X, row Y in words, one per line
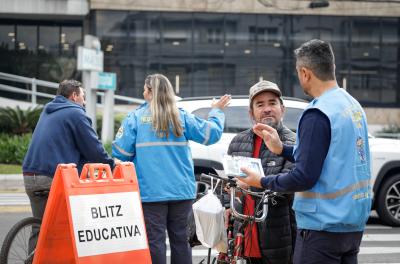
column 209, row 218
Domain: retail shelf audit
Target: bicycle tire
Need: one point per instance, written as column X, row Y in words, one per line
column 16, row 243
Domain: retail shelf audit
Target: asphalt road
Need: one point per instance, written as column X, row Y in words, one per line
column 381, row 244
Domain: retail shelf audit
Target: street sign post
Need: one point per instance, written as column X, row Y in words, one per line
column 90, row 62
column 106, row 81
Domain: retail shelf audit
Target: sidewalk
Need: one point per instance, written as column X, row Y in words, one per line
column 12, row 194
column 11, row 183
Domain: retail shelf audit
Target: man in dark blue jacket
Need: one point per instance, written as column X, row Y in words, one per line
column 62, row 135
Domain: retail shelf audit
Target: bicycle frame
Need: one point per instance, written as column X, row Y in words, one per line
column 236, row 241
column 262, row 195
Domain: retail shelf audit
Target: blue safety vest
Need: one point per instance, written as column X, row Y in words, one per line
column 164, row 166
column 340, row 201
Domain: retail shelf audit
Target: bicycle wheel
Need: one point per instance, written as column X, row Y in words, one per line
column 20, row 242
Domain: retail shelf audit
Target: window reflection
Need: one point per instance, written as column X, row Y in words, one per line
column 390, row 74
column 390, row 40
column 144, row 34
column 365, row 39
column 176, row 34
column 237, row 118
column 269, row 36
column 112, row 30
column 336, row 30
column 304, row 28
column 70, row 39
column 365, row 80
column 49, row 39
column 213, row 53
column 243, row 74
column 44, row 50
column 27, row 38
column 208, row 36
column 179, row 74
column 240, row 35
column 7, row 37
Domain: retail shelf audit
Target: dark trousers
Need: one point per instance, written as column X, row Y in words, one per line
column 32, row 184
column 326, row 247
column 173, row 217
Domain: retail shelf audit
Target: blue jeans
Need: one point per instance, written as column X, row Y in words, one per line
column 326, row 247
column 170, row 216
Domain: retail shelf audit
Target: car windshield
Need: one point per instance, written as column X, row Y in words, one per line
column 237, row 118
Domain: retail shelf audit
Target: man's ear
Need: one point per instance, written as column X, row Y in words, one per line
column 251, row 116
column 307, row 74
column 73, row 96
column 283, row 109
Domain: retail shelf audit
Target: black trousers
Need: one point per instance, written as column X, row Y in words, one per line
column 326, row 247
column 171, row 216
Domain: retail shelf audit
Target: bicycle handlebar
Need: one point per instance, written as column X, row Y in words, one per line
column 264, row 195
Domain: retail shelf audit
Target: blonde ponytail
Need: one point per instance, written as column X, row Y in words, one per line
column 164, row 112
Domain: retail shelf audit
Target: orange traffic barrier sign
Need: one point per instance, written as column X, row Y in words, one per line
column 94, row 218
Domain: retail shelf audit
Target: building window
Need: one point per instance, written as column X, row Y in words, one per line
column 214, row 53
column 7, row 37
column 43, row 50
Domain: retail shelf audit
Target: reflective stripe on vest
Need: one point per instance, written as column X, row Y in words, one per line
column 122, row 151
column 334, row 195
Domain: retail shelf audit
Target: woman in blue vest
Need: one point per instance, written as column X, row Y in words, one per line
column 332, row 173
column 155, row 137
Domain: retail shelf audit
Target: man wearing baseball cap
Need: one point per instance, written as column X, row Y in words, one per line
column 264, row 86
column 270, row 241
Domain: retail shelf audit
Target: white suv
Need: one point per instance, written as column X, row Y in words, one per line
column 385, row 153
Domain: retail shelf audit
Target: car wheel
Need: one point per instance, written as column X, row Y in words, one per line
column 388, row 206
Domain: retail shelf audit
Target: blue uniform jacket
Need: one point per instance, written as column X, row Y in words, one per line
column 164, row 166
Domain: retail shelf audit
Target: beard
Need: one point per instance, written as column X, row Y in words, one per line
column 269, row 121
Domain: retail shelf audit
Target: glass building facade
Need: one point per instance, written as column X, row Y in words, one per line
column 214, row 53
column 45, row 50
column 210, row 54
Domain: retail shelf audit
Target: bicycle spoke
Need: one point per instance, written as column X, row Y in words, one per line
column 21, row 240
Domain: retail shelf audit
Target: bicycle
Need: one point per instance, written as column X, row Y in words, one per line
column 20, row 242
column 234, row 254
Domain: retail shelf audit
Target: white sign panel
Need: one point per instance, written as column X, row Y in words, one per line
column 90, row 59
column 107, row 223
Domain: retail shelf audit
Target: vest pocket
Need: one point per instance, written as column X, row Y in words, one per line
column 303, row 206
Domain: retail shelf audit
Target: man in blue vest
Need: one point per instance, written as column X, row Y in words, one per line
column 332, row 174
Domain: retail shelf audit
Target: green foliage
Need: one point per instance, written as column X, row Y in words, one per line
column 18, row 121
column 13, row 148
column 107, row 147
column 117, row 123
column 10, row 169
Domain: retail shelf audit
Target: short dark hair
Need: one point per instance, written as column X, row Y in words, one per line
column 68, row 87
column 317, row 55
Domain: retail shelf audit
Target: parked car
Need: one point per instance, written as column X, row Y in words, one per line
column 385, row 153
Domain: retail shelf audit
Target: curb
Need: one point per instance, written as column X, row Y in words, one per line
column 11, row 183
column 15, row 209
column 11, row 177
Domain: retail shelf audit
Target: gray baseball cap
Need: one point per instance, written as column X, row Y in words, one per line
column 264, row 86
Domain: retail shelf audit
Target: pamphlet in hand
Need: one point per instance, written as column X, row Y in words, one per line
column 232, row 165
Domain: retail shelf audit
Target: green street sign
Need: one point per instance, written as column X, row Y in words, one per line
column 104, row 80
